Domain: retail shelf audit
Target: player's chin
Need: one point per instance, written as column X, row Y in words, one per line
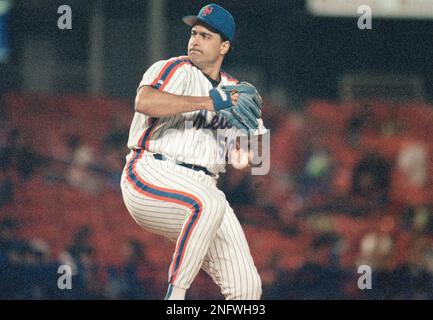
column 194, row 58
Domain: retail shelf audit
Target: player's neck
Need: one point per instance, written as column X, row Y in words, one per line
column 212, row 72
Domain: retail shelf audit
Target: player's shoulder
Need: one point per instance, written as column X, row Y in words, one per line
column 229, row 78
column 175, row 62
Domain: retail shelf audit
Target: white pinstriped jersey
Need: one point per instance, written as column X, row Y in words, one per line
column 181, row 204
column 188, row 142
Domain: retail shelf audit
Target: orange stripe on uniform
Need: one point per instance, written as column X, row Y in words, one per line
column 145, row 138
column 164, row 69
column 172, row 72
column 169, row 195
column 229, row 77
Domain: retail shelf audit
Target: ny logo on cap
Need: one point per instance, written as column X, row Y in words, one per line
column 206, row 11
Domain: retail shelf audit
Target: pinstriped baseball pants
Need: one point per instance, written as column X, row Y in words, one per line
column 186, row 207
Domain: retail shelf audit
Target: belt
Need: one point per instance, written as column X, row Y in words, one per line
column 195, row 167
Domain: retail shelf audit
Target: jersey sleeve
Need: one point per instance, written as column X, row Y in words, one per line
column 166, row 75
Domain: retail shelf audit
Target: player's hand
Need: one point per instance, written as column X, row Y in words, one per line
column 240, row 104
column 217, row 103
column 234, row 96
column 221, row 99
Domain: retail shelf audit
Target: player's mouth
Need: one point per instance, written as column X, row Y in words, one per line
column 194, row 51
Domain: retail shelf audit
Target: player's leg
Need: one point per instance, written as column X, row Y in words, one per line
column 199, row 209
column 229, row 261
column 159, row 217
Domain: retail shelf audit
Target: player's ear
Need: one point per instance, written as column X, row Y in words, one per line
column 225, row 46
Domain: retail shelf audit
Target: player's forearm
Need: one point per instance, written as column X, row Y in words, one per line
column 155, row 103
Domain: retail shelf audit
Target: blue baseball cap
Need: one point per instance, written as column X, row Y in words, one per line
column 216, row 17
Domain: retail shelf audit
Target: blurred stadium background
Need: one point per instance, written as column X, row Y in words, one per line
column 350, row 113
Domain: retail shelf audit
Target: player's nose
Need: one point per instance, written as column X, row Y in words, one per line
column 195, row 42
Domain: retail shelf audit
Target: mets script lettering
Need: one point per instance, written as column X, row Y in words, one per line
column 216, row 122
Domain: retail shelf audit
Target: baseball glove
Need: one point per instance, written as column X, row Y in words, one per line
column 244, row 114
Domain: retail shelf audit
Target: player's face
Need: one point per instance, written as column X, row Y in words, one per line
column 205, row 47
